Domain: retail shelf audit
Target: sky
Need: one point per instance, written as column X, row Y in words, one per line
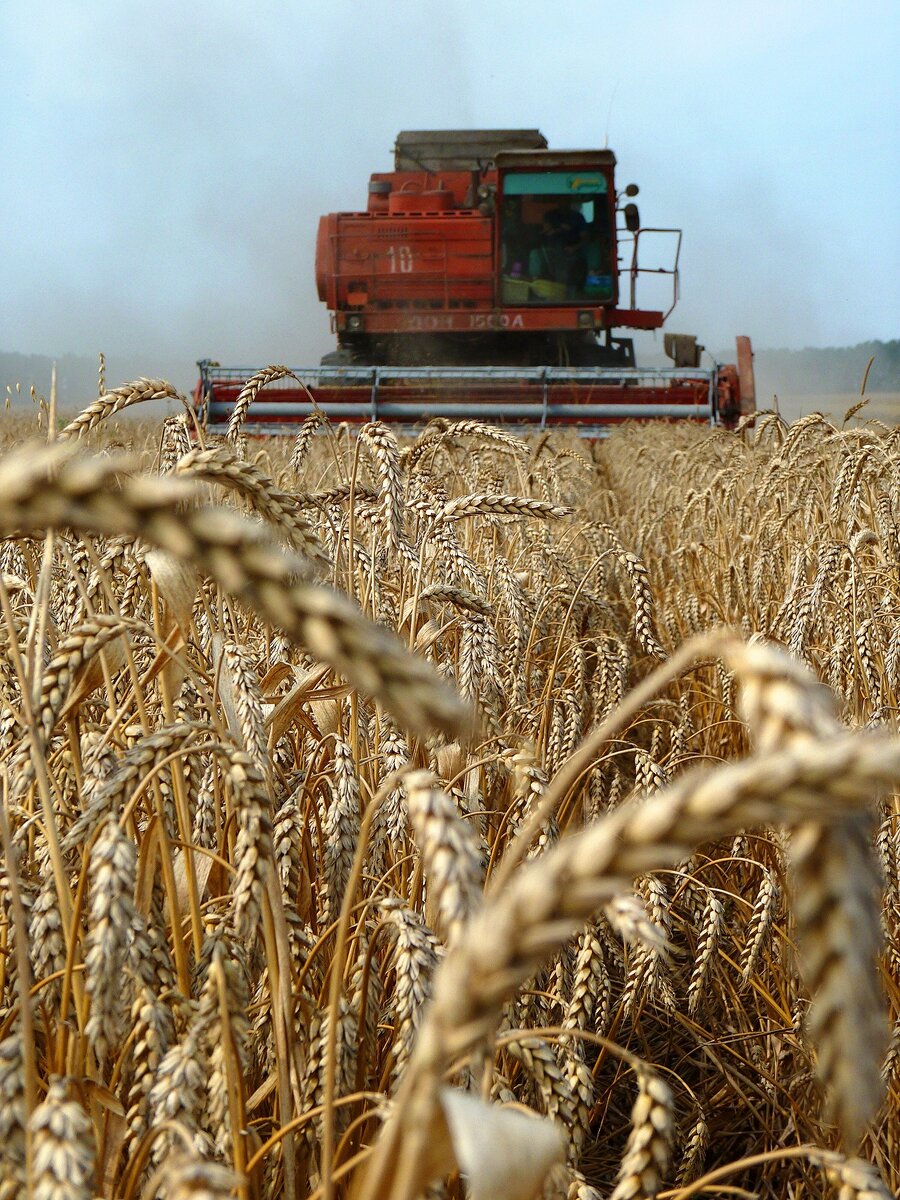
column 165, row 163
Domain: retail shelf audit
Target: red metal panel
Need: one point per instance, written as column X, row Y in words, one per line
column 746, row 377
column 459, row 183
column 471, row 320
column 393, row 260
column 635, row 318
column 681, row 392
column 476, row 319
column 325, row 263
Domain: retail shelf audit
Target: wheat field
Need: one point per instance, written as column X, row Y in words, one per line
column 462, row 816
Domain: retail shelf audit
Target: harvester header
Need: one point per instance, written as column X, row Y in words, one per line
column 490, row 275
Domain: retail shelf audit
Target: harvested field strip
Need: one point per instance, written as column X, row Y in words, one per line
column 360, row 796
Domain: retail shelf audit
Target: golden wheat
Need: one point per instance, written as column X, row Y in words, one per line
column 279, row 919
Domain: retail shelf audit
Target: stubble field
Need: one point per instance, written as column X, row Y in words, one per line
column 376, row 812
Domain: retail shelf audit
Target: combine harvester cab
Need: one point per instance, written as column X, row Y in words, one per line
column 491, row 278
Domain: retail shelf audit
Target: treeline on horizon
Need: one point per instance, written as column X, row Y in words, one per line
column 831, row 369
column 77, row 375
column 828, row 370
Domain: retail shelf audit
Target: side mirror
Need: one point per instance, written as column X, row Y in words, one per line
column 632, row 218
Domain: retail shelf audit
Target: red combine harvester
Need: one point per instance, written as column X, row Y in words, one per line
column 490, row 277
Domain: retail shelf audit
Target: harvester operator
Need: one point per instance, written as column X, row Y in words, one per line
column 560, row 255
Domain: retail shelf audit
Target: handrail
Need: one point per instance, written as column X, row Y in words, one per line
column 636, row 270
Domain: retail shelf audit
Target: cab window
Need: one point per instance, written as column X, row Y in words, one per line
column 555, row 242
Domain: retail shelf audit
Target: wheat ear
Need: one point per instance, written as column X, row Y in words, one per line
column 248, row 394
column 647, row 1152
column 835, row 900
column 498, row 504
column 543, row 904
column 304, row 438
column 51, row 487
column 122, row 397
column 450, row 851
column 221, row 465
column 63, row 1147
column 386, row 452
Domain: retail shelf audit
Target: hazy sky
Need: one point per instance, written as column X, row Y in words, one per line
column 165, row 163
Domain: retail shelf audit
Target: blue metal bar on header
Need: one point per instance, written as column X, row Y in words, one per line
column 382, row 375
